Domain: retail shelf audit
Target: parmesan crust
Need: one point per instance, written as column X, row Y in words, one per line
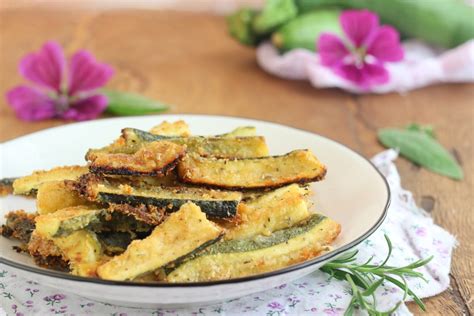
column 181, row 233
column 299, row 166
column 155, row 158
column 222, row 266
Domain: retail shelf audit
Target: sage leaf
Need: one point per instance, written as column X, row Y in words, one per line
column 125, row 103
column 422, row 149
column 427, row 129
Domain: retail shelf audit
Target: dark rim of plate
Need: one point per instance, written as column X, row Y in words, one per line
column 299, row 266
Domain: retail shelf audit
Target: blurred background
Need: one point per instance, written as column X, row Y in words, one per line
column 216, row 6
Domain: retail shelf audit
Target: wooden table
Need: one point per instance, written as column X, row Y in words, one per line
column 189, row 60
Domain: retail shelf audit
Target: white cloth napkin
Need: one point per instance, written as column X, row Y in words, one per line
column 423, row 65
column 412, row 231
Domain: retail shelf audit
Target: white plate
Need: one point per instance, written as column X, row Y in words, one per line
column 354, row 193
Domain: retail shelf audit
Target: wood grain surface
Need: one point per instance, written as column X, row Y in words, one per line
column 188, row 60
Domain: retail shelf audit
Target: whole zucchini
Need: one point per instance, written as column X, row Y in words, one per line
column 273, row 15
column 447, row 23
column 303, row 31
column 240, row 26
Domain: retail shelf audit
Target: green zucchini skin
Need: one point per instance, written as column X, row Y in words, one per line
column 217, row 146
column 260, row 242
column 114, row 243
column 137, row 134
column 304, row 30
column 146, row 200
column 274, row 13
column 7, row 181
column 80, row 222
column 215, row 209
column 119, row 222
column 240, row 26
column 193, row 254
column 19, row 225
column 250, row 245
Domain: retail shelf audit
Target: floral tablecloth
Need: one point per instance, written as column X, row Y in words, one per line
column 411, row 230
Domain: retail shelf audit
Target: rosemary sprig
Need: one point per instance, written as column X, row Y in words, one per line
column 365, row 278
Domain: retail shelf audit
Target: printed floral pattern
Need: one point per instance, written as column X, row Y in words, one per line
column 411, row 230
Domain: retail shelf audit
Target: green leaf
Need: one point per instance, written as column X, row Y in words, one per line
column 422, row 149
column 427, row 129
column 125, row 103
column 371, row 289
column 369, row 277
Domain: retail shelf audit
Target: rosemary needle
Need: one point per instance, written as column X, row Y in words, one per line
column 365, row 278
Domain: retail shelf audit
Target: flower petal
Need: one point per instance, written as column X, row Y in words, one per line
column 331, row 50
column 375, row 74
column 30, row 104
column 45, row 67
column 385, row 45
column 86, row 73
column 87, row 108
column 359, row 25
column 366, row 76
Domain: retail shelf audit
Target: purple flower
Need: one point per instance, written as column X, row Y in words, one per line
column 421, row 231
column 58, row 297
column 275, row 305
column 360, row 56
column 65, row 90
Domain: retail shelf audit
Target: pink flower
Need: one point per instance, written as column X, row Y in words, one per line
column 65, row 90
column 361, row 55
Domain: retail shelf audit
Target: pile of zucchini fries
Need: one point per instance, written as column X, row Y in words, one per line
column 168, row 206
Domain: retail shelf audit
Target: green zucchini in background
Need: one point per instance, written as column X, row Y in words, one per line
column 303, row 31
column 240, row 26
column 447, row 23
column 274, row 14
